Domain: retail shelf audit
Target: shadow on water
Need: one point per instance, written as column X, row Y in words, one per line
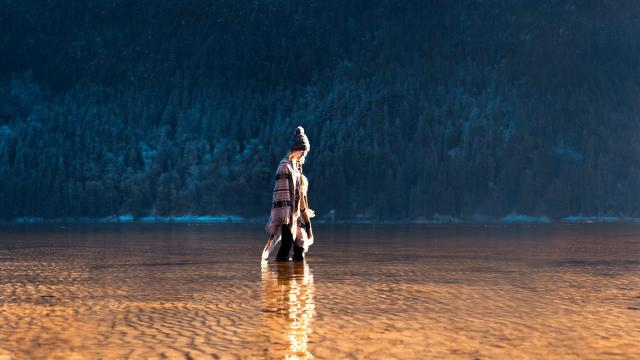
column 288, row 304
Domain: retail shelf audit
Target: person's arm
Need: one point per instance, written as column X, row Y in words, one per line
column 305, row 215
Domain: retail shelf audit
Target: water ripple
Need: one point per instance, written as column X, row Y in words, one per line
column 188, row 297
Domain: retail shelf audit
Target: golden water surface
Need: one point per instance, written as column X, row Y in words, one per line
column 200, row 291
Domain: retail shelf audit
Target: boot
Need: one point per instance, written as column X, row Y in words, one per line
column 285, row 244
column 298, row 253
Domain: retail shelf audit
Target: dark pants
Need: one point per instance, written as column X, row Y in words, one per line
column 285, row 246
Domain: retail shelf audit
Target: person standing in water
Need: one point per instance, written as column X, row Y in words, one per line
column 289, row 222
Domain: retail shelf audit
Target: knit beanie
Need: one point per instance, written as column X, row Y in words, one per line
column 300, row 140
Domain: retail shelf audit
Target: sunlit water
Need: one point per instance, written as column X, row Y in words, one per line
column 200, row 291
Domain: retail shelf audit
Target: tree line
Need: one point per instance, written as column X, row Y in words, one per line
column 414, row 109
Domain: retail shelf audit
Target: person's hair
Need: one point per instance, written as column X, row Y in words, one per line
column 303, row 179
column 290, row 156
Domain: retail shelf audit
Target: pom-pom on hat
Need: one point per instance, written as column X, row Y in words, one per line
column 300, row 140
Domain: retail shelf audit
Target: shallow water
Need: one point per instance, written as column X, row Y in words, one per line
column 200, row 291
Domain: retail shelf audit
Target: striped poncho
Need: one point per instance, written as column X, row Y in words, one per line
column 289, row 207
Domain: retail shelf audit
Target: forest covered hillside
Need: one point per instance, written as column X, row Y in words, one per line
column 413, row 108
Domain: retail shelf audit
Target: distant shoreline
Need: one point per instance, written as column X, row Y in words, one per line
column 510, row 219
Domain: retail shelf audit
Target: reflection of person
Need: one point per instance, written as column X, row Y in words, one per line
column 288, row 299
column 289, row 222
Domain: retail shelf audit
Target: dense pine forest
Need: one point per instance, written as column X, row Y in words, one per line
column 414, row 109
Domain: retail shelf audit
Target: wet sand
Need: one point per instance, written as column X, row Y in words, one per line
column 180, row 291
